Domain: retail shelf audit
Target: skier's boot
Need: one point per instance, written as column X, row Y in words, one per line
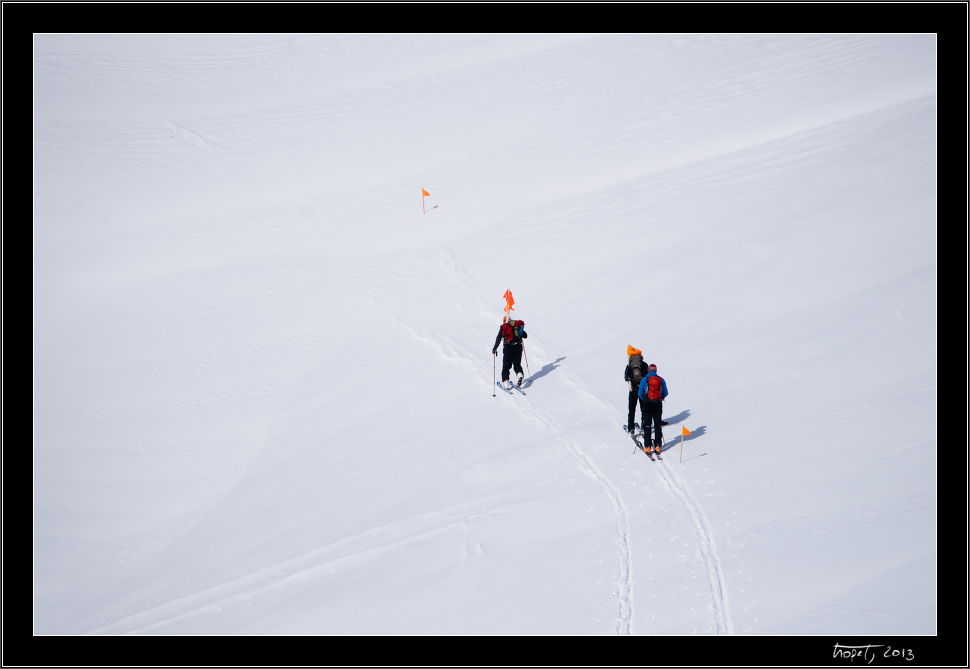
column 520, row 380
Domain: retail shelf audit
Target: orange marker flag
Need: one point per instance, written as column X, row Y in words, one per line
column 508, row 301
column 424, row 194
column 684, row 431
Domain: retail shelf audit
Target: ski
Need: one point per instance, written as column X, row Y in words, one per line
column 637, row 432
column 508, row 391
column 633, row 435
column 646, row 450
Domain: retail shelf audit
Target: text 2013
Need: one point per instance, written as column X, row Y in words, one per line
column 869, row 652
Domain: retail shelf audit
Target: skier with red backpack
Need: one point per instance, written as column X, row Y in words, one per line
column 511, row 332
column 653, row 391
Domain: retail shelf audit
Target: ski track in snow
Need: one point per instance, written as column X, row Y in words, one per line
column 624, row 624
column 672, row 481
column 215, row 599
column 329, row 559
column 679, row 488
column 624, row 581
column 705, row 540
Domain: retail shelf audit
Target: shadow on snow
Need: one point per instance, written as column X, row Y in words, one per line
column 542, row 372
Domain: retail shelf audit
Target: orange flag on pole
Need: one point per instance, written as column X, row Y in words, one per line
column 508, row 301
column 425, row 193
column 685, row 432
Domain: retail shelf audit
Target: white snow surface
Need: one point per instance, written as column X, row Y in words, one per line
column 263, row 386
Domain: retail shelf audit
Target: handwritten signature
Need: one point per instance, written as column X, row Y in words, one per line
column 870, row 652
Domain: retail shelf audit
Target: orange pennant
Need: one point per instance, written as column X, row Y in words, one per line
column 508, row 300
column 424, row 192
column 685, row 431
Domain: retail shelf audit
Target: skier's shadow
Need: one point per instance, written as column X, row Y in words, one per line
column 669, row 441
column 694, row 434
column 682, row 416
column 542, row 372
column 680, row 438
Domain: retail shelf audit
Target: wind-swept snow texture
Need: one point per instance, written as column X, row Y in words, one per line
column 264, row 396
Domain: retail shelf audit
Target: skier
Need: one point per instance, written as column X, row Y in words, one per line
column 633, row 373
column 653, row 391
column 511, row 332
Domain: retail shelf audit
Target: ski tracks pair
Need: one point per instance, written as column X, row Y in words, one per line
column 680, row 489
column 672, row 481
column 624, row 581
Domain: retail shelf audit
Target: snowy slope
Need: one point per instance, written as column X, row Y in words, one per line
column 263, row 382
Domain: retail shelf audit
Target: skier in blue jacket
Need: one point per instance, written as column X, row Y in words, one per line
column 653, row 391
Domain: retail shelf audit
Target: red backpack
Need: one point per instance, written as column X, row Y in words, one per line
column 512, row 331
column 654, row 388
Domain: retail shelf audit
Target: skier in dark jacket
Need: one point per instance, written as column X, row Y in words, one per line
column 653, row 391
column 511, row 333
column 634, row 371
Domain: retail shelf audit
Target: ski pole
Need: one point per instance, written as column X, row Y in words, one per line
column 526, row 359
column 493, row 375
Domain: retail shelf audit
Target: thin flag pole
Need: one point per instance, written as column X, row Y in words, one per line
column 424, row 194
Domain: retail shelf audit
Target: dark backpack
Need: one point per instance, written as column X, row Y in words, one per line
column 654, row 388
column 636, row 372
